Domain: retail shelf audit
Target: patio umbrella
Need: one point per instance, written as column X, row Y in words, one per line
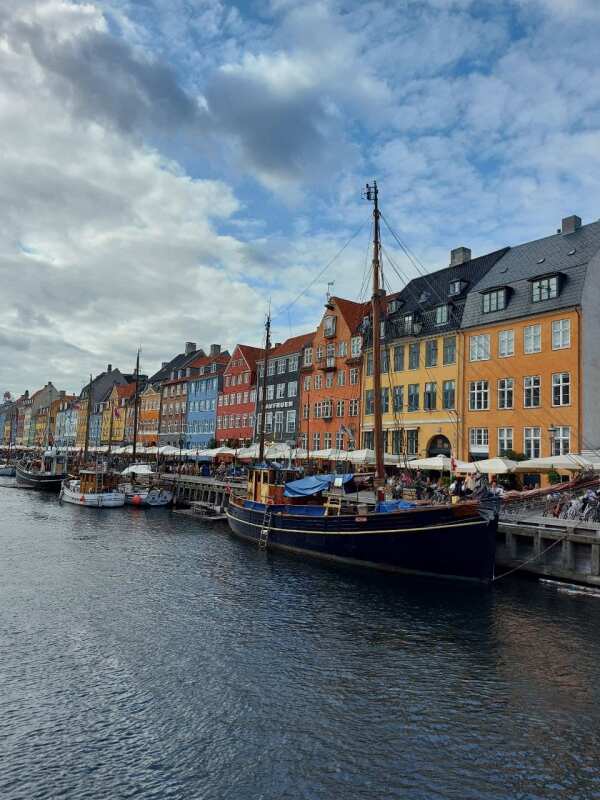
column 495, row 466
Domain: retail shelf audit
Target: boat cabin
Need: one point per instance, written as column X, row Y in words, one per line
column 92, row 481
column 267, row 484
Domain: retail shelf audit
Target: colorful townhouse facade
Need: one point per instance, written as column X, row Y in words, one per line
column 101, row 387
column 330, row 382
column 236, row 405
column 114, row 414
column 172, row 379
column 204, row 386
column 282, row 389
column 149, row 414
column 65, row 428
column 532, row 363
column 422, row 355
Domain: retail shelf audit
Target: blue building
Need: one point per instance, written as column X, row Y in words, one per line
column 205, row 382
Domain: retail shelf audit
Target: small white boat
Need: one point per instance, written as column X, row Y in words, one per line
column 92, row 489
column 7, row 471
column 153, row 497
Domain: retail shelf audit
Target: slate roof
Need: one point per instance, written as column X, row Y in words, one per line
column 179, row 361
column 568, row 254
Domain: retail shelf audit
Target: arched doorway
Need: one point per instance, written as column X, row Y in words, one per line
column 439, row 446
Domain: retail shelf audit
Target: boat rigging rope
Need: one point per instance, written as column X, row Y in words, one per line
column 529, row 560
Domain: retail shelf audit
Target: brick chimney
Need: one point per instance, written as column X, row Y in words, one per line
column 109, row 368
column 570, row 224
column 215, row 349
column 459, row 256
column 190, row 347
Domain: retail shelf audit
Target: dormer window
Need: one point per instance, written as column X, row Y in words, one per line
column 455, row 288
column 494, row 300
column 544, row 288
column 441, row 315
column 329, row 326
column 408, row 323
column 393, row 306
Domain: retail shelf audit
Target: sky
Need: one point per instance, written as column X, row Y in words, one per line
column 167, row 167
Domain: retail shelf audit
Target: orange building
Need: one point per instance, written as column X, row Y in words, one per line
column 330, row 383
column 531, row 331
column 149, row 415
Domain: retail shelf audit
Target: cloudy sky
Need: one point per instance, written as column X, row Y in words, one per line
column 168, row 165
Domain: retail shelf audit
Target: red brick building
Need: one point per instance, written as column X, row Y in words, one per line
column 236, row 408
column 330, row 384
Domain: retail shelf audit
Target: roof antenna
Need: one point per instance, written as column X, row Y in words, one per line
column 330, row 285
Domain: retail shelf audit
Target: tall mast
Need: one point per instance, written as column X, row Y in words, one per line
column 135, row 403
column 87, row 420
column 263, row 408
column 372, row 194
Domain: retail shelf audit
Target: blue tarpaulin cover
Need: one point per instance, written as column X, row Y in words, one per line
column 393, row 505
column 314, row 484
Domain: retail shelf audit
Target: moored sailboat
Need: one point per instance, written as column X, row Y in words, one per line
column 444, row 540
column 93, row 488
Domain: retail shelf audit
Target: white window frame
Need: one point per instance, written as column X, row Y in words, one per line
column 532, row 339
column 561, row 334
column 479, row 395
column 532, row 442
column 479, row 347
column 559, row 383
column 530, row 384
column 506, row 343
column 506, row 387
column 505, row 435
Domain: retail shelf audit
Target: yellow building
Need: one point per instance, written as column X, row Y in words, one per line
column 114, row 414
column 422, row 361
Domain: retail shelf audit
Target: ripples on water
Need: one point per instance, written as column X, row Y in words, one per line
column 144, row 656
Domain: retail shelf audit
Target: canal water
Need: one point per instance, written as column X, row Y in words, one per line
column 145, row 656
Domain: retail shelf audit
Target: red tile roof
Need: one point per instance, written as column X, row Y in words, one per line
column 293, row 345
column 206, row 361
column 125, row 390
column 251, row 354
column 352, row 312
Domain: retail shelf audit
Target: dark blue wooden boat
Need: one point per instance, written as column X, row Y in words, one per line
column 46, row 473
column 450, row 541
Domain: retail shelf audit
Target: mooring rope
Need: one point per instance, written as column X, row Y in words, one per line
column 529, row 560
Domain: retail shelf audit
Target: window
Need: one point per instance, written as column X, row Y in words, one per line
column 278, row 426
column 413, row 396
column 430, row 396
column 531, row 391
column 293, row 363
column 398, row 398
column 506, row 343
column 318, row 381
column 399, row 358
column 385, row 400
column 385, row 360
column 307, row 360
column 544, row 289
column 532, row 442
column 561, row 334
column 369, row 402
column 532, row 339
column 412, row 443
column 368, row 440
column 431, row 352
column 306, row 411
column 271, row 368
column 407, row 323
column 561, row 389
column 320, row 352
column 339, row 440
column 303, row 440
column 342, row 349
column 269, row 422
column 441, row 315
column 413, row 355
column 327, row 441
column 449, row 394
column 506, row 387
column 455, row 288
column 316, row 441
column 329, row 380
column 307, row 383
column 281, row 365
column 329, row 326
column 339, row 408
column 494, row 301
column 479, row 347
column 280, row 391
column 561, row 441
column 353, row 408
column 270, row 392
column 369, row 365
column 479, row 396
column 290, row 422
column 292, row 389
column 353, row 376
column 341, row 377
column 450, row 350
column 479, row 440
column 355, row 346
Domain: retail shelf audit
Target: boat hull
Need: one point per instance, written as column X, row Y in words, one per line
column 92, row 499
column 39, row 480
column 7, row 472
column 149, row 499
column 433, row 541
